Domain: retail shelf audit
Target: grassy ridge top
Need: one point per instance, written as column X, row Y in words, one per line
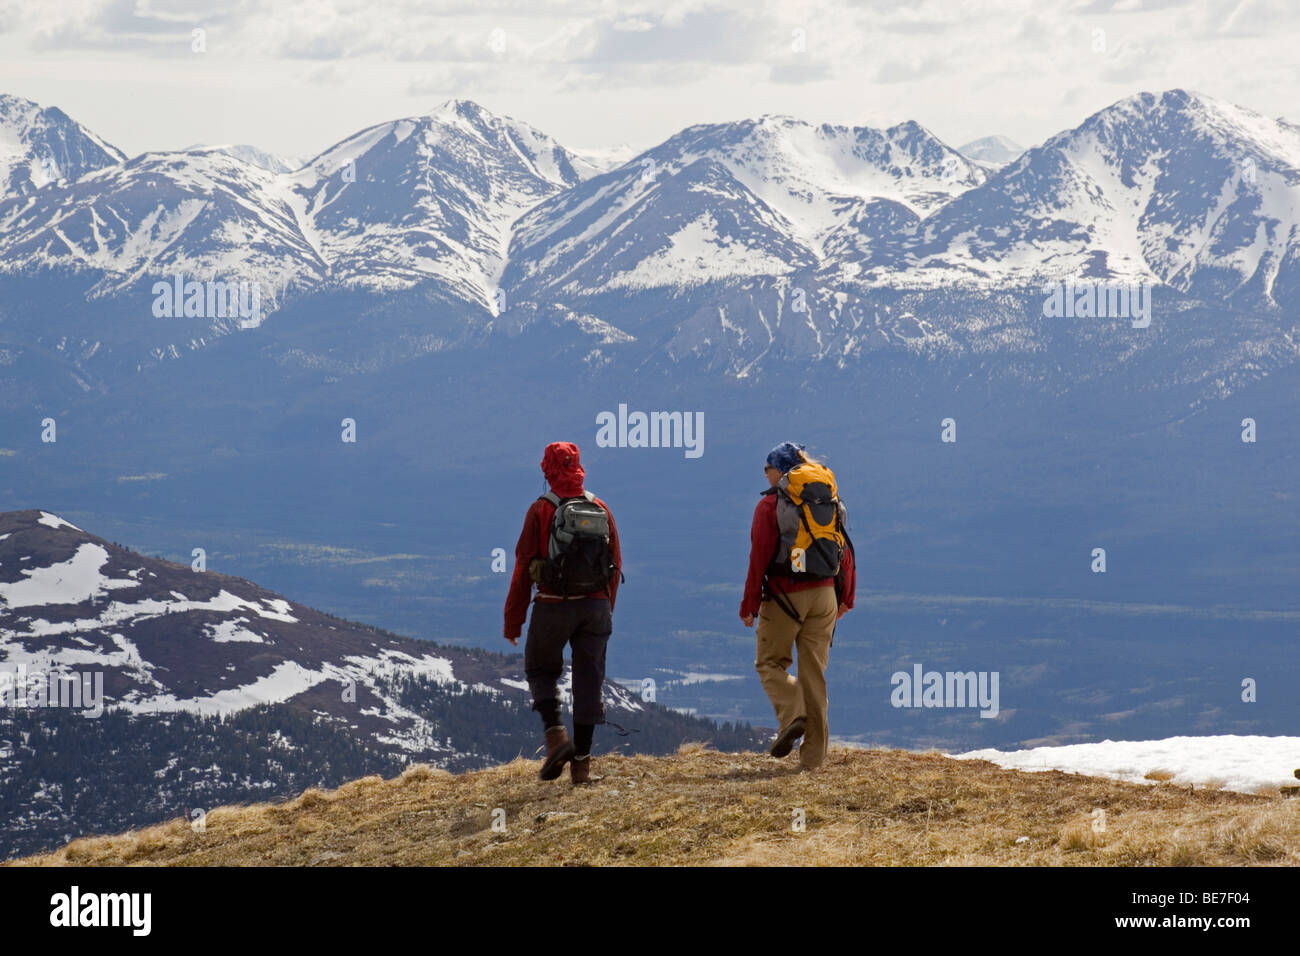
column 702, row 807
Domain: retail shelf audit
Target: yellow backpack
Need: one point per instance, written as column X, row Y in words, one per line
column 811, row 519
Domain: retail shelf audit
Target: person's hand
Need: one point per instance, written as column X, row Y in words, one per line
column 513, row 640
column 843, row 610
column 748, row 619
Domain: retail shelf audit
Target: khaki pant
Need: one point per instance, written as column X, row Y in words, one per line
column 805, row 695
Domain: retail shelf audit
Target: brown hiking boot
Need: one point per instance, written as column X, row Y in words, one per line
column 559, row 751
column 785, row 739
column 580, row 769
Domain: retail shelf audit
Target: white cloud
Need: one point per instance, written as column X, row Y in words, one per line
column 597, row 73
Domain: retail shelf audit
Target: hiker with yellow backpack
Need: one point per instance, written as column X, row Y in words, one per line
column 801, row 581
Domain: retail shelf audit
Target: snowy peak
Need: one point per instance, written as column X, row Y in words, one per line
column 1173, row 188
column 794, row 164
column 993, row 151
column 464, row 206
column 590, row 162
column 42, row 145
column 502, row 134
column 252, row 155
column 462, row 108
column 428, row 198
column 693, row 205
column 203, row 215
column 1148, row 122
column 681, row 228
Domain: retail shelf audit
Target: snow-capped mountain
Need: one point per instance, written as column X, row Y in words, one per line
column 1172, row 188
column 192, row 675
column 992, row 151
column 251, row 154
column 736, row 241
column 430, row 197
column 199, row 215
column 168, row 638
column 426, row 198
column 40, row 146
column 603, row 160
column 721, row 201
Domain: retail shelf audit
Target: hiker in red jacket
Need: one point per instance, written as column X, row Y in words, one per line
column 575, row 562
column 796, row 609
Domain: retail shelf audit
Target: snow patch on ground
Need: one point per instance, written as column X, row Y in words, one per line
column 287, row 680
column 279, row 610
column 72, row 581
column 118, row 613
column 697, row 253
column 227, row 631
column 1243, row 763
column 125, row 657
column 54, row 521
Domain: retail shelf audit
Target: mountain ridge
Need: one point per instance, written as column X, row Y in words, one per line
column 43, row 145
column 175, row 684
column 460, row 218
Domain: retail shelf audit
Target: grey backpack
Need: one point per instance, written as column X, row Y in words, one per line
column 578, row 557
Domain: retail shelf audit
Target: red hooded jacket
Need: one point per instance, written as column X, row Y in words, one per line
column 764, row 536
column 564, row 473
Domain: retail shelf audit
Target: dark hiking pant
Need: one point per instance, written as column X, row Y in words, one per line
column 584, row 624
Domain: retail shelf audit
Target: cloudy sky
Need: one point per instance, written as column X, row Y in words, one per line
column 295, row 77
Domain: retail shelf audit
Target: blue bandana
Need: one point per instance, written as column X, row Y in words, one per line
column 784, row 456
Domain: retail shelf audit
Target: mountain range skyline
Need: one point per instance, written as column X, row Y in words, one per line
column 508, row 227
column 30, row 161
column 991, row 147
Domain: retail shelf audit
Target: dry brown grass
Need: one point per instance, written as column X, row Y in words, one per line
column 700, row 807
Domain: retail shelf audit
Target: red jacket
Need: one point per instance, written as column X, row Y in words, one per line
column 533, row 541
column 764, row 536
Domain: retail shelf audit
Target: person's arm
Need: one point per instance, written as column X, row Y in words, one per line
column 763, row 537
column 849, row 580
column 616, row 553
column 521, row 585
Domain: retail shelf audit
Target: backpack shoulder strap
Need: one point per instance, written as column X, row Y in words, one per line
column 552, row 497
column 588, row 495
column 840, row 514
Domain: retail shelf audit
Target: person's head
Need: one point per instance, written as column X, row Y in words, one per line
column 782, row 458
column 563, row 469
